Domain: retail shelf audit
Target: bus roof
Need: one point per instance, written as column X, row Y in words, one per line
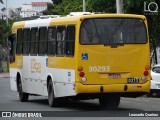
column 69, row 19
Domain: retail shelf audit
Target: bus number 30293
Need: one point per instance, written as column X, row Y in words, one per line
column 99, row 68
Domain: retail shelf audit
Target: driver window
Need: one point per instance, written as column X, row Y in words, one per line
column 12, row 43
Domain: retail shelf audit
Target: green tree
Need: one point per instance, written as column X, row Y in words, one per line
column 107, row 6
column 5, row 30
column 63, row 7
column 50, row 10
column 56, row 1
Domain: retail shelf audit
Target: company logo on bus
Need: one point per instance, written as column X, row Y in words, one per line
column 35, row 66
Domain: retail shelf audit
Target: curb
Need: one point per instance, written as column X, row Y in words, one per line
column 4, row 75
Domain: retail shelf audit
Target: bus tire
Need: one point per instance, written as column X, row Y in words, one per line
column 109, row 102
column 23, row 97
column 149, row 95
column 52, row 101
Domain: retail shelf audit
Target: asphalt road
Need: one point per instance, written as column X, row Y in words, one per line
column 9, row 101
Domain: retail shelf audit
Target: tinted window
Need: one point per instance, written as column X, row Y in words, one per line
column 70, row 40
column 19, row 41
column 26, row 41
column 112, row 31
column 34, row 41
column 156, row 69
column 42, row 40
column 61, row 36
column 12, row 41
column 52, row 36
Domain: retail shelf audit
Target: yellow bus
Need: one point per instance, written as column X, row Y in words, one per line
column 81, row 56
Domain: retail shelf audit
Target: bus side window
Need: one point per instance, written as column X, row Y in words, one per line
column 61, row 36
column 42, row 40
column 12, row 44
column 26, row 41
column 34, row 41
column 52, row 36
column 70, row 41
column 19, row 41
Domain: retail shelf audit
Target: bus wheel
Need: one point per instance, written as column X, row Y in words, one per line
column 109, row 102
column 23, row 97
column 51, row 99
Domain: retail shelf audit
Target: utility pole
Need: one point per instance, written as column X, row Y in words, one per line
column 84, row 6
column 120, row 7
column 6, row 12
column 7, row 36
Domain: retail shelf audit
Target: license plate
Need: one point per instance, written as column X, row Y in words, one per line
column 133, row 80
column 114, row 76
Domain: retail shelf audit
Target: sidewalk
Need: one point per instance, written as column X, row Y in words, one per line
column 4, row 75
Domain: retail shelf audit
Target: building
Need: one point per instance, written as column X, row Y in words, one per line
column 26, row 7
column 34, row 9
column 26, row 10
column 28, row 13
column 39, row 6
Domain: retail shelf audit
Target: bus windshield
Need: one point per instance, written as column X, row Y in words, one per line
column 110, row 31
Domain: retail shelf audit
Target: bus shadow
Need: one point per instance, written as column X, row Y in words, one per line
column 80, row 105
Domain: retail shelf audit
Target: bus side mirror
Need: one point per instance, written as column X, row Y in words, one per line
column 12, row 60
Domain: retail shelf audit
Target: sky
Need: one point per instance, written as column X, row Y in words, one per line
column 18, row 3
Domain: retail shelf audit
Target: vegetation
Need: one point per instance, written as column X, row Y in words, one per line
column 4, row 32
column 63, row 7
